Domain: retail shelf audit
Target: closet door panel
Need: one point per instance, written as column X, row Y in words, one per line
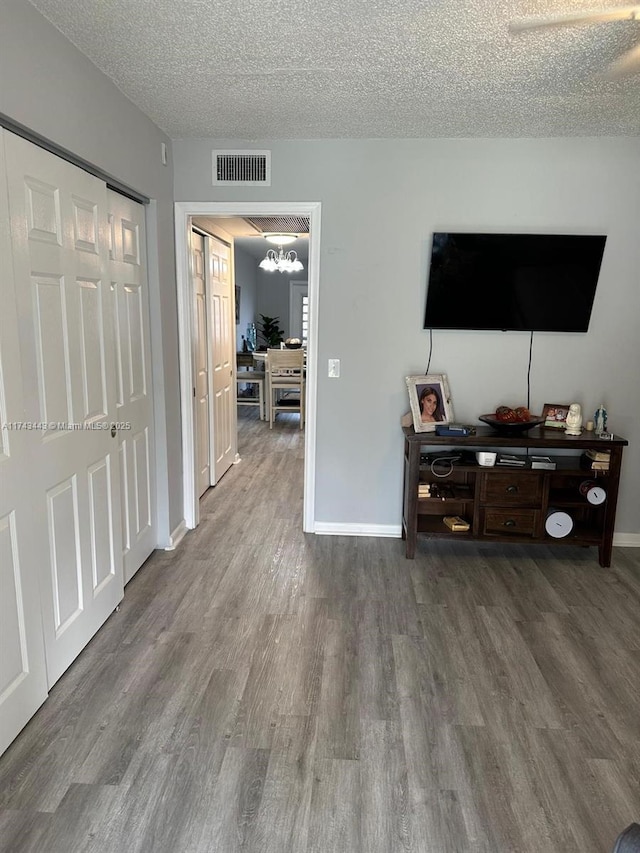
column 130, row 300
column 23, row 678
column 59, row 234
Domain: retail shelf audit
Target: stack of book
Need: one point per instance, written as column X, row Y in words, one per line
column 596, row 460
column 424, row 490
column 455, row 523
column 511, row 461
column 544, row 463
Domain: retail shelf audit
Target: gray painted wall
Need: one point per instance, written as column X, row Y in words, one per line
column 381, row 200
column 246, row 269
column 273, row 297
column 261, row 293
column 54, row 90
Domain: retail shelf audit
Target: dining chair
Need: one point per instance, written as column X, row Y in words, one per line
column 252, row 377
column 285, row 383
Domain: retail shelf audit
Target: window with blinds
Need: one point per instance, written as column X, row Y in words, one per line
column 304, row 324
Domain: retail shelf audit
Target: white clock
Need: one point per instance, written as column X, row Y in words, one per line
column 596, row 495
column 558, row 524
column 593, row 492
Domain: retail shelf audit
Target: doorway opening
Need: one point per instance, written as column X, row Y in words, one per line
column 185, row 213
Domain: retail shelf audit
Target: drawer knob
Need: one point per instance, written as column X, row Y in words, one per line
column 512, row 489
column 510, row 523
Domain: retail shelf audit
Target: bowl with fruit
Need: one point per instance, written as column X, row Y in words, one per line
column 508, row 421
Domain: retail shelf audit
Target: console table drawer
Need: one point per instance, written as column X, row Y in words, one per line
column 510, row 488
column 509, row 522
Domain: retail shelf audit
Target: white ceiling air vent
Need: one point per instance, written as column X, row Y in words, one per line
column 242, row 168
column 280, row 224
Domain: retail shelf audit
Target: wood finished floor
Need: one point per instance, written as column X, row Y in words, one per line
column 265, row 690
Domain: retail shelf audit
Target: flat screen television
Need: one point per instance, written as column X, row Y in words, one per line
column 513, row 282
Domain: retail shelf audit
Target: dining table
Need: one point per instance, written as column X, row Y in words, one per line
column 252, row 360
column 244, row 360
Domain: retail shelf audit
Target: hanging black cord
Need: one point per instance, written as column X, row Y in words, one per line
column 529, row 381
column 529, row 374
column 430, row 349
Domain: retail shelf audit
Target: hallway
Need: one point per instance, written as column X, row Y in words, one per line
column 269, row 691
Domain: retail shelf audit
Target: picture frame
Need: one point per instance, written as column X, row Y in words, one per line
column 429, row 397
column 555, row 415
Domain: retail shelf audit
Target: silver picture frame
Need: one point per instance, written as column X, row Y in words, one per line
column 430, row 401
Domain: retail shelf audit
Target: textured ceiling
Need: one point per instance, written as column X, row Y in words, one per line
column 291, row 69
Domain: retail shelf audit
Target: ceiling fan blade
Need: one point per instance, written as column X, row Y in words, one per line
column 577, row 19
column 628, row 63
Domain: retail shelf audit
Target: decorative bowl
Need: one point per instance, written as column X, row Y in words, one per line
column 293, row 343
column 509, row 427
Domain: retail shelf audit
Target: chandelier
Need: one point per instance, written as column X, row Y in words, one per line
column 281, row 261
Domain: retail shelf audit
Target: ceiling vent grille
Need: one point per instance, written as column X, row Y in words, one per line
column 280, row 224
column 242, row 168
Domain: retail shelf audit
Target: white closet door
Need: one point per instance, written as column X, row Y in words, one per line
column 134, row 397
column 59, row 240
column 222, row 349
column 201, row 363
column 23, row 679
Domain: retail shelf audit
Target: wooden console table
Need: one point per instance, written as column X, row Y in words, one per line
column 504, row 504
column 244, row 359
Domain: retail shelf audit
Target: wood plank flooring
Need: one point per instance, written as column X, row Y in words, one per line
column 265, row 690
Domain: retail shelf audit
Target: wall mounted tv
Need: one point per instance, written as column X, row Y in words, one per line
column 513, row 282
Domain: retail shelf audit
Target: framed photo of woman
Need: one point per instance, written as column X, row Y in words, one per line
column 430, row 401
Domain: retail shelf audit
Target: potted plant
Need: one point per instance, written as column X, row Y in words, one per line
column 269, row 331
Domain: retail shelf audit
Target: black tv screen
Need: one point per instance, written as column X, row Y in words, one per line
column 519, row 282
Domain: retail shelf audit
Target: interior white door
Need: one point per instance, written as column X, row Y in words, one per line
column 23, row 677
column 222, row 349
column 201, row 363
column 59, row 242
column 134, row 391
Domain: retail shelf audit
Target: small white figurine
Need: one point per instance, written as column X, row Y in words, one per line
column 600, row 418
column 574, row 420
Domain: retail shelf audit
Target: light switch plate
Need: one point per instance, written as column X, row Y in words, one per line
column 334, row 368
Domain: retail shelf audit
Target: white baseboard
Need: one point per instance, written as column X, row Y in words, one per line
column 626, row 540
column 394, row 531
column 335, row 528
column 177, row 536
